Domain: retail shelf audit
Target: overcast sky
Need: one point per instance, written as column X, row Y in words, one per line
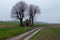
column 50, row 9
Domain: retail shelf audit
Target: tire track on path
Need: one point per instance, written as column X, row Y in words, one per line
column 19, row 37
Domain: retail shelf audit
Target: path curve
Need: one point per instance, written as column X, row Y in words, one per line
column 19, row 37
column 28, row 37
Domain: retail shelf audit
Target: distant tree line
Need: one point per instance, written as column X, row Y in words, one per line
column 21, row 8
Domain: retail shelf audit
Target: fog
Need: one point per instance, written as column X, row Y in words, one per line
column 50, row 9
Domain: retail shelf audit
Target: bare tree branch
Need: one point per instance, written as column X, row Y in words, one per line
column 33, row 10
column 18, row 11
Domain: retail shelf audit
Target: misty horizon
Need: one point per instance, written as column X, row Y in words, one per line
column 50, row 10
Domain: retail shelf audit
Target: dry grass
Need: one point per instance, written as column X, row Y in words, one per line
column 8, row 24
column 52, row 32
column 53, row 25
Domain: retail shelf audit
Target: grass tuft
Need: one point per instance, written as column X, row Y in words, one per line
column 47, row 34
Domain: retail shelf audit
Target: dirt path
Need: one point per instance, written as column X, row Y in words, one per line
column 28, row 37
column 19, row 37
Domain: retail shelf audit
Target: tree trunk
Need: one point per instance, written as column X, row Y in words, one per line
column 32, row 21
column 21, row 22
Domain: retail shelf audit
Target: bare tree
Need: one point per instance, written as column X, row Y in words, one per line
column 33, row 10
column 18, row 11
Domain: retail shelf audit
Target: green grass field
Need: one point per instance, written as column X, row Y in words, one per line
column 47, row 34
column 9, row 29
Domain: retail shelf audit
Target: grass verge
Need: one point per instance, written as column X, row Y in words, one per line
column 47, row 34
column 9, row 32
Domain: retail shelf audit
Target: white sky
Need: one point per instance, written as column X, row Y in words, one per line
column 50, row 9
